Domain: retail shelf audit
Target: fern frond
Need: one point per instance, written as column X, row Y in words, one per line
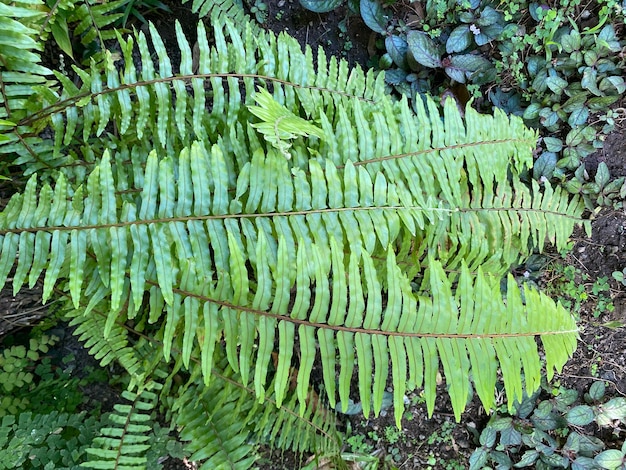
column 92, row 19
column 222, row 422
column 113, row 347
column 137, row 101
column 308, row 287
column 214, row 427
column 124, row 444
column 381, row 241
column 20, row 69
column 286, row 427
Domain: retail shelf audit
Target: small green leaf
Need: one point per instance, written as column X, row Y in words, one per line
column 589, row 80
column 352, row 408
column 574, row 102
column 583, row 463
column 578, row 117
column 460, row 39
column 395, row 76
column 597, row 390
column 570, row 42
column 397, row 49
column 590, row 188
column 539, row 83
column 502, row 459
column 488, row 33
column 566, row 398
column 602, row 175
column 613, row 84
column 553, row 144
column 608, row 39
column 532, row 112
column 549, row 118
column 590, row 444
column 528, row 458
column 463, row 66
column 61, row 35
column 526, row 407
column 500, row 424
column 614, row 186
column 543, row 421
column 611, row 459
column 600, row 103
column 580, row 415
column 573, row 137
column 611, row 410
column 488, row 436
column 544, row 166
column 573, row 443
column 424, row 49
column 556, row 84
column 536, row 64
column 590, row 57
column 554, row 460
column 320, row 6
column 608, row 33
column 478, row 459
column 373, row 15
column 489, row 16
column 510, row 437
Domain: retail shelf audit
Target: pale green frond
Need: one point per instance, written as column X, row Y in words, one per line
column 115, row 347
column 381, row 243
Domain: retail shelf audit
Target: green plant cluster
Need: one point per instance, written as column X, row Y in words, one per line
column 48, row 423
column 50, row 441
column 574, row 289
column 557, row 432
column 30, row 382
column 42, row 426
column 80, row 28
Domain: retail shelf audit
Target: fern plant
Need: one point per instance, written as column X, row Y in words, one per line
column 276, row 209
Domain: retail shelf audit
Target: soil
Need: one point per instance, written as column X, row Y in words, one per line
column 430, row 441
column 340, row 32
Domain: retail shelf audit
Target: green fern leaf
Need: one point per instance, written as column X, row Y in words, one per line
column 390, row 245
column 279, row 125
column 124, row 444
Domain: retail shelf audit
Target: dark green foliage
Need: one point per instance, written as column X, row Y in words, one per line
column 553, row 433
column 30, row 382
column 51, row 441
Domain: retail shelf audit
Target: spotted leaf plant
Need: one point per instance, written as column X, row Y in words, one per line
column 273, row 211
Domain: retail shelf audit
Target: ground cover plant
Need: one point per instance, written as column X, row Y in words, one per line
column 554, row 433
column 275, row 252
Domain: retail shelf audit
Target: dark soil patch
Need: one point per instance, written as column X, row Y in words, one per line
column 20, row 311
column 605, row 252
column 340, row 32
column 613, row 154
